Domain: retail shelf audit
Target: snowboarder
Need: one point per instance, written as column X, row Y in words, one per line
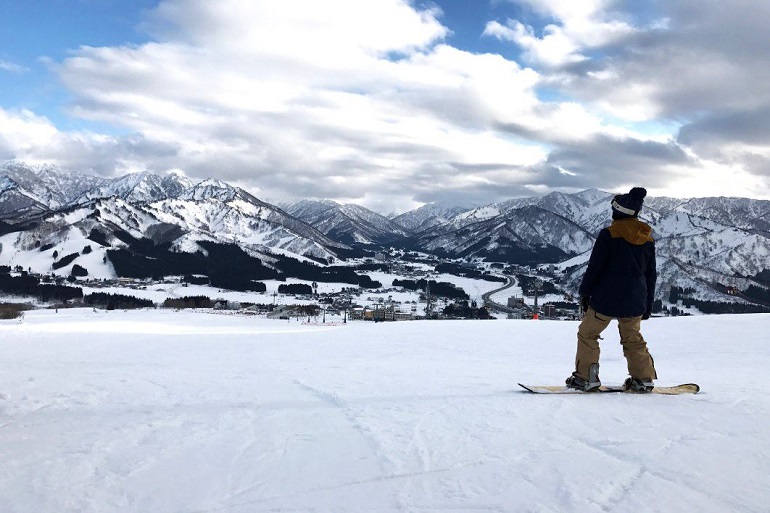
column 619, row 283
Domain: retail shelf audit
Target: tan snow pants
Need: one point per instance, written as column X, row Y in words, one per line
column 640, row 363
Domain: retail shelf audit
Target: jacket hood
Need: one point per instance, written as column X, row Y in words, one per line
column 632, row 230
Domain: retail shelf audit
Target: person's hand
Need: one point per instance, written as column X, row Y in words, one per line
column 646, row 315
column 584, row 302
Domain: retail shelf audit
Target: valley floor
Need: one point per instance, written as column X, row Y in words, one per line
column 162, row 411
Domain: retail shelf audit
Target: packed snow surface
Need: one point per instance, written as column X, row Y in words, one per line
column 163, row 411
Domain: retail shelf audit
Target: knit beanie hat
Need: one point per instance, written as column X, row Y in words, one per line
column 629, row 205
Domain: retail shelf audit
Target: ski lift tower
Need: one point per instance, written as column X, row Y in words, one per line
column 536, row 286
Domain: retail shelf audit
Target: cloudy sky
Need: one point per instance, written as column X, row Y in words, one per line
column 394, row 103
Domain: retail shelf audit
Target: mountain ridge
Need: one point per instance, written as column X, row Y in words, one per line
column 709, row 244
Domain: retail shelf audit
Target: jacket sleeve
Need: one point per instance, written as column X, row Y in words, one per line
column 596, row 263
column 651, row 275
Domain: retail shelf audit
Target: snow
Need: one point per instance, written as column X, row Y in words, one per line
column 159, row 292
column 165, row 411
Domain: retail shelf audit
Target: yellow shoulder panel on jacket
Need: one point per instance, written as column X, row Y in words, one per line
column 632, row 230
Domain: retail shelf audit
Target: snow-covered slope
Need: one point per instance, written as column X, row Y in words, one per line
column 257, row 228
column 139, row 188
column 712, row 242
column 529, row 234
column 695, row 248
column 708, row 244
column 430, row 215
column 743, row 213
column 522, row 230
column 49, row 185
column 27, row 191
column 168, row 209
column 16, row 203
column 159, row 411
column 350, row 224
column 246, row 223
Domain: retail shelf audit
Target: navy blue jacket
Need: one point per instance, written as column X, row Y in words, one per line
column 621, row 274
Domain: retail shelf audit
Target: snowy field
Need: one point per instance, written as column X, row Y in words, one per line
column 162, row 411
column 159, row 292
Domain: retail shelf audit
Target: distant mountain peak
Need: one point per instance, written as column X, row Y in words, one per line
column 211, row 188
column 348, row 223
column 716, row 240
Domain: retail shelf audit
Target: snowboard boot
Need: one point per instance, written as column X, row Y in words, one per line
column 642, row 386
column 591, row 385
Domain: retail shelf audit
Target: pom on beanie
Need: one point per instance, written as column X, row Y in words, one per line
column 629, row 205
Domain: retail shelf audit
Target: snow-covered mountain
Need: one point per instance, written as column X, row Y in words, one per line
column 430, row 215
column 16, row 202
column 253, row 225
column 143, row 187
column 48, row 185
column 716, row 224
column 525, row 235
column 522, row 230
column 216, row 189
column 27, row 191
column 165, row 211
column 348, row 223
column 181, row 225
column 709, row 245
column 743, row 213
column 587, row 209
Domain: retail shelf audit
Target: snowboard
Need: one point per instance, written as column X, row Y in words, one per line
column 686, row 388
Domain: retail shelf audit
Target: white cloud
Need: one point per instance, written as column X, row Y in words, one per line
column 554, row 48
column 285, row 95
column 35, row 139
column 322, row 32
column 712, row 178
column 368, row 102
column 23, row 134
column 582, row 26
column 12, row 67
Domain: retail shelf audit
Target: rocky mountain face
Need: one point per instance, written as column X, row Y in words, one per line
column 349, row 224
column 429, row 216
column 713, row 247
column 47, row 187
column 143, row 214
column 529, row 235
column 138, row 188
column 716, row 248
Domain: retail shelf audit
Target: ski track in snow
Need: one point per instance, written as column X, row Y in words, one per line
column 157, row 411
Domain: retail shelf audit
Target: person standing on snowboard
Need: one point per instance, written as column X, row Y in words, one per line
column 619, row 283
